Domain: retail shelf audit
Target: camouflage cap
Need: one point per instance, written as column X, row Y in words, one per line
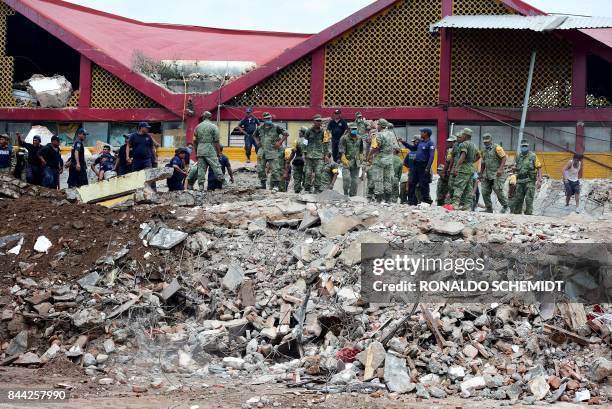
column 382, row 122
column 451, row 138
column 267, row 115
column 352, row 125
column 317, row 117
column 390, row 125
column 358, row 115
column 467, row 131
column 206, row 115
column 524, row 142
column 487, row 137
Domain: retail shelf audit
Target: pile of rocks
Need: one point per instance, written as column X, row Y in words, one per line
column 269, row 289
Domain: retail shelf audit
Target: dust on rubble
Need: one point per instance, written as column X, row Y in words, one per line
column 251, row 298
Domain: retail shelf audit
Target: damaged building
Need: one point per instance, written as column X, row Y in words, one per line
column 438, row 72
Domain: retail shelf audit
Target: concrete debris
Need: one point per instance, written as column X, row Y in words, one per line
column 266, row 289
column 51, row 92
column 42, row 244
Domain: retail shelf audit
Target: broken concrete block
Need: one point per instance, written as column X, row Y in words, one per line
column 42, row 244
column 234, row 363
column 472, row 384
column 122, row 185
column 170, row 290
column 51, row 92
column 397, row 378
column 166, row 239
column 352, row 255
column 19, row 344
column 334, row 224
column 308, row 220
column 233, row 278
column 89, row 280
column 29, row 358
column 109, row 346
column 372, row 358
column 449, row 228
column 539, row 387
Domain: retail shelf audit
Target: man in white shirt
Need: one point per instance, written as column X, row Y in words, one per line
column 571, row 179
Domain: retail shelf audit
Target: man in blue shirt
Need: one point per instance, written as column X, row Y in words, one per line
column 6, row 155
column 425, row 151
column 248, row 126
column 106, row 164
column 77, row 172
column 337, row 126
column 213, row 183
column 140, row 151
column 179, row 164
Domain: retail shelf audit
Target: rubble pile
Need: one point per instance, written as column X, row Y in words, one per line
column 265, row 288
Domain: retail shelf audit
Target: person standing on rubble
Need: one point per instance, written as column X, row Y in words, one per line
column 337, row 127
column 444, row 171
column 398, row 167
column 50, row 157
column 270, row 138
column 34, row 169
column 296, row 160
column 178, row 163
column 7, row 156
column 77, row 171
column 492, row 174
column 464, row 172
column 248, row 126
column 317, row 145
column 208, row 149
column 140, row 151
column 528, row 179
column 381, row 157
column 350, row 149
column 571, row 180
column 123, row 168
column 425, row 152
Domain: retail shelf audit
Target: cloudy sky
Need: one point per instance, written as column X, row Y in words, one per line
column 309, row 16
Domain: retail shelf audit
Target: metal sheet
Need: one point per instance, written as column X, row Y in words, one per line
column 514, row 22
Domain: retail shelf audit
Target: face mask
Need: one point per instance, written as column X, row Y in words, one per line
column 268, row 122
column 524, row 149
column 353, row 132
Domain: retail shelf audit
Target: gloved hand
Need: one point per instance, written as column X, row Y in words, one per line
column 344, row 160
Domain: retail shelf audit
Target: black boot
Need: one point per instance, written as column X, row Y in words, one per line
column 263, row 184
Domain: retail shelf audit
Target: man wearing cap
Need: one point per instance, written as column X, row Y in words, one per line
column 337, row 126
column 362, row 125
column 77, row 173
column 296, row 161
column 179, row 164
column 51, row 159
column 316, row 148
column 444, row 171
column 7, row 156
column 206, row 141
column 382, row 163
column 492, row 174
column 140, row 152
column 528, row 179
column 270, row 138
column 425, row 151
column 464, row 172
column 455, row 154
column 350, row 148
column 247, row 126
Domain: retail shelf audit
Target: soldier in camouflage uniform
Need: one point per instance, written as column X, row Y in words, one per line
column 398, row 166
column 296, row 160
column 464, row 172
column 381, row 151
column 329, row 173
column 270, row 138
column 455, row 154
column 317, row 146
column 528, row 179
column 492, row 173
column 351, row 146
column 444, row 171
column 206, row 141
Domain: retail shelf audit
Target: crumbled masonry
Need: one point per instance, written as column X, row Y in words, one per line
column 263, row 288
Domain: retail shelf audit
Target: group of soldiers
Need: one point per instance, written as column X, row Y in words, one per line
column 371, row 149
column 459, row 178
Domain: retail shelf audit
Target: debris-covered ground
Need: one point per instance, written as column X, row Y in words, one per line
column 251, row 298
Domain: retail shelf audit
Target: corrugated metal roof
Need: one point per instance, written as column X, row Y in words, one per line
column 514, row 22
